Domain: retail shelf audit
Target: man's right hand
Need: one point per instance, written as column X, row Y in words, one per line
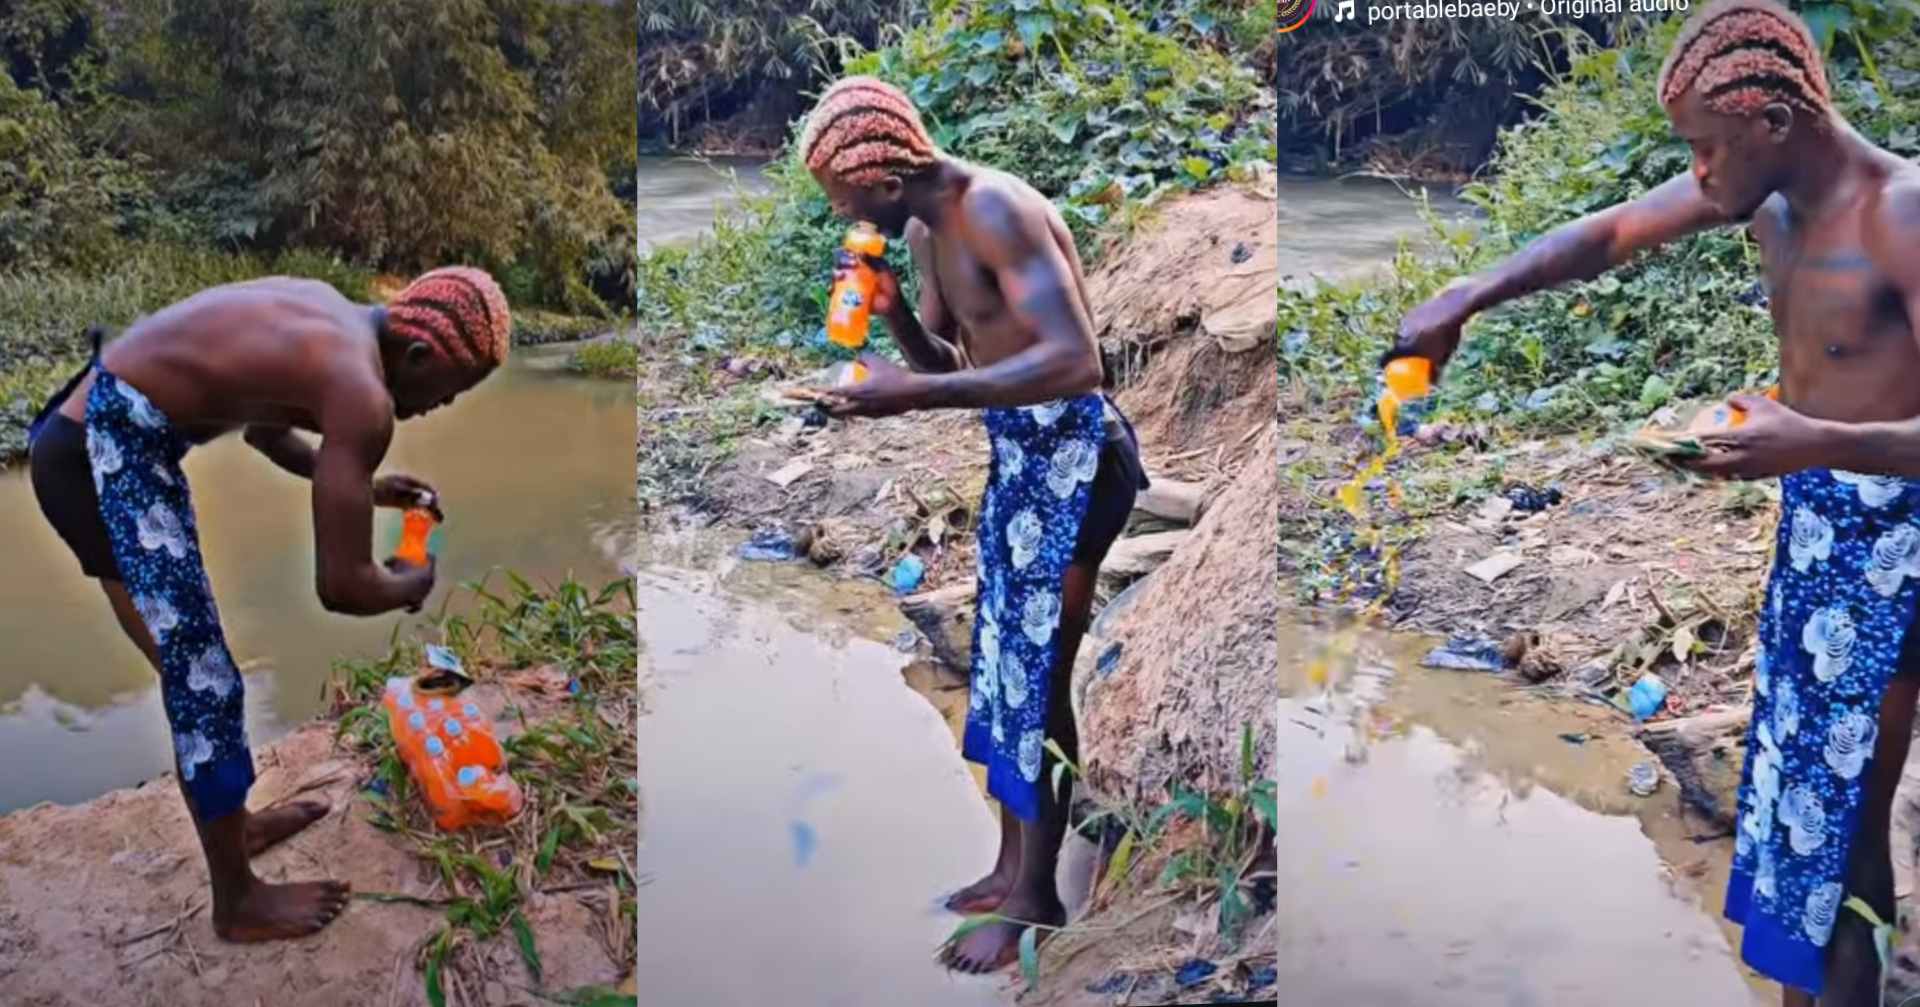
column 887, row 302
column 415, row 583
column 1432, row 330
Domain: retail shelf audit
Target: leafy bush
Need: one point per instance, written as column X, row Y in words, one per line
column 1669, row 325
column 1078, row 97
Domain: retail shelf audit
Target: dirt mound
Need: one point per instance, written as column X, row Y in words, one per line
column 105, row 903
column 1197, row 658
column 1203, row 266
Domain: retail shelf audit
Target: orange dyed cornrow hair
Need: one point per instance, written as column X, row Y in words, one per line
column 1744, row 54
column 458, row 311
column 864, row 130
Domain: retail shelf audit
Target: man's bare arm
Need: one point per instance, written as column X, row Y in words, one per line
column 1890, row 448
column 1037, row 282
column 284, row 448
column 356, row 428
column 925, row 341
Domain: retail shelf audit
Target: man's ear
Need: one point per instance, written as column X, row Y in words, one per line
column 1779, row 119
column 891, row 188
column 417, row 353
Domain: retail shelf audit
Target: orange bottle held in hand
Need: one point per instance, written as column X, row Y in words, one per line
column 850, row 305
column 1409, row 378
column 416, row 526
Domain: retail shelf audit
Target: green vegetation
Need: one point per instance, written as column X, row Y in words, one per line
column 1668, row 326
column 581, row 820
column 149, row 150
column 616, row 358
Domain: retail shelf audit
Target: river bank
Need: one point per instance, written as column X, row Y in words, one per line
column 105, row 901
column 1188, row 665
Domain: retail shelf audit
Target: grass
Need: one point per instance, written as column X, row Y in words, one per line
column 1209, row 864
column 615, row 358
column 580, row 824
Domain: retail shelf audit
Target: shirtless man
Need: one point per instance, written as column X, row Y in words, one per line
column 1837, row 221
column 272, row 356
column 1003, row 327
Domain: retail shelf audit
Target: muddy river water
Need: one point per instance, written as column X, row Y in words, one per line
column 678, row 195
column 803, row 795
column 533, row 467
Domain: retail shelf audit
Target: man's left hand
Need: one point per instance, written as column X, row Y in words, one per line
column 887, row 391
column 401, row 492
column 1773, row 441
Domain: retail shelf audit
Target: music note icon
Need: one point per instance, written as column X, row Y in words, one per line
column 1344, row 11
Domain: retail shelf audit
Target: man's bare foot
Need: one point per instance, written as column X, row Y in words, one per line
column 983, row 896
column 267, row 912
column 265, row 828
column 997, row 945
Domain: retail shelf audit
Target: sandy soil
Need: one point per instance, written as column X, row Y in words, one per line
column 106, row 903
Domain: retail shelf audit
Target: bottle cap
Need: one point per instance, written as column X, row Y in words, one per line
column 435, row 747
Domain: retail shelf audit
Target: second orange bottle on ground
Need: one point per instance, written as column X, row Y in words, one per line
column 453, row 757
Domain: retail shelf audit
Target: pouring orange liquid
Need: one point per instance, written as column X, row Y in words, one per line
column 1407, row 378
column 416, row 526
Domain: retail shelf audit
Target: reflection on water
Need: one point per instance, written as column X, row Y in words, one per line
column 678, row 195
column 1458, row 835
column 535, row 470
column 806, row 809
column 1334, row 229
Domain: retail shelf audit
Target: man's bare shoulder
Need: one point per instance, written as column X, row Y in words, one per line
column 1894, row 227
column 1001, row 207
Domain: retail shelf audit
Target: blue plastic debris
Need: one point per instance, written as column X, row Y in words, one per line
column 1108, row 660
column 573, row 687
column 1464, row 652
column 805, row 841
column 908, row 573
column 1262, row 978
column 1194, row 973
column 378, row 785
column 1111, row 984
column 768, row 546
column 444, row 659
column 1646, row 696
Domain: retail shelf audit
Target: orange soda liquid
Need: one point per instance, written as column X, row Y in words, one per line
column 451, row 753
column 850, row 305
column 416, row 525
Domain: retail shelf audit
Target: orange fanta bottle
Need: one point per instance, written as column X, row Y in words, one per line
column 850, row 306
column 453, row 757
column 416, row 525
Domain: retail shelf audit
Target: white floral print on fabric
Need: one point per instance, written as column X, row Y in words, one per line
column 1805, row 816
column 1823, row 906
column 1027, row 535
column 213, row 671
column 1874, row 491
column 1850, row 743
column 1023, row 538
column 1786, row 711
column 193, row 748
column 140, row 408
column 1829, row 636
column 160, row 617
column 1012, row 459
column 1812, row 538
column 104, row 454
column 1762, row 684
column 1895, row 557
column 160, row 528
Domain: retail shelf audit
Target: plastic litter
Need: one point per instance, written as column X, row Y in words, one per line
column 1647, row 696
column 769, row 545
column 1530, row 500
column 1643, row 778
column 1194, row 973
column 1465, row 652
column 908, row 573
